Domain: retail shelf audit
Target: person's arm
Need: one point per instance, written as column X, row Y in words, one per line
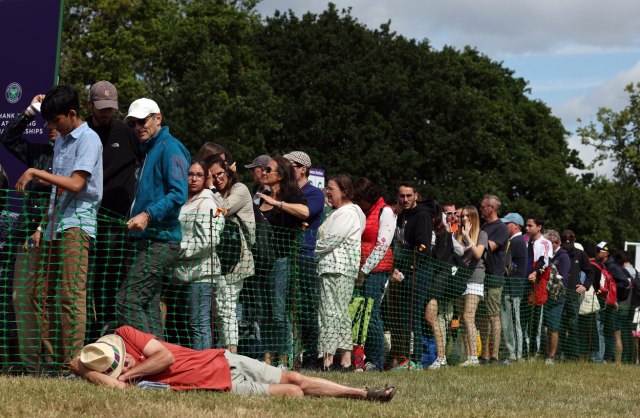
column 564, row 268
column 589, row 274
column 12, row 138
column 338, row 227
column 94, row 377
column 158, row 359
column 239, row 196
column 174, row 168
column 74, row 183
column 385, row 236
column 299, row 210
column 457, row 248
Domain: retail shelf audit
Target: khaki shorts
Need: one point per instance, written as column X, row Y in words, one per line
column 490, row 306
column 250, row 376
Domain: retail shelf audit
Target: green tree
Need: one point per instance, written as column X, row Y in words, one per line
column 616, row 136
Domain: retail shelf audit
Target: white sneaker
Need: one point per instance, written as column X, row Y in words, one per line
column 470, row 363
column 438, row 363
column 549, row 361
column 283, row 367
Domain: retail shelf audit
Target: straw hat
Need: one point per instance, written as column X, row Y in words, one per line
column 105, row 355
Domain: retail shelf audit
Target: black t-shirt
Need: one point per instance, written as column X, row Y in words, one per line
column 498, row 233
column 517, row 284
column 286, row 227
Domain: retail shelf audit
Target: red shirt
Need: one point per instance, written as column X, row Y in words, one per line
column 206, row 369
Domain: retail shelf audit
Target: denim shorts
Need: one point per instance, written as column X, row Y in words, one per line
column 553, row 314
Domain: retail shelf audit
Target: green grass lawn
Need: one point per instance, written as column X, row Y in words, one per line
column 522, row 389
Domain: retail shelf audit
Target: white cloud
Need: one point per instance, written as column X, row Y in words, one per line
column 609, row 94
column 496, row 26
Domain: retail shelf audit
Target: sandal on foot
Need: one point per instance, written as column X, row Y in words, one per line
column 381, row 395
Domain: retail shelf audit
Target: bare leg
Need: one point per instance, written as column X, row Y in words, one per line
column 552, row 346
column 314, row 386
column 345, row 361
column 469, row 319
column 328, row 360
column 431, row 316
column 618, row 336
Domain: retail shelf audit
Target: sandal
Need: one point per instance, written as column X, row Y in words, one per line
column 381, row 395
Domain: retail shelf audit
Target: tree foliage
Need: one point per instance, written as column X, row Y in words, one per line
column 360, row 101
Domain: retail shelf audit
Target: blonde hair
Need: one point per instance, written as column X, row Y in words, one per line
column 474, row 218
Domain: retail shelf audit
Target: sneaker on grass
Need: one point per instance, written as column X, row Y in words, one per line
column 470, row 363
column 438, row 363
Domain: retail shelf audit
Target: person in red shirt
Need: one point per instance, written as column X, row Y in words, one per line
column 120, row 360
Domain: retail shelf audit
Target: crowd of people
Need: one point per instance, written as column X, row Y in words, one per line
column 132, row 218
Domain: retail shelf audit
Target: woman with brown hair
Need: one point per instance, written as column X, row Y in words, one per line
column 338, row 249
column 278, row 208
column 474, row 242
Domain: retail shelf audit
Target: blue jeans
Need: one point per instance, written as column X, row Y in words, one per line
column 200, row 315
column 281, row 327
column 374, row 346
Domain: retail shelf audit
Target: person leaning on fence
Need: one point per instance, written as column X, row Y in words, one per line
column 120, row 158
column 338, row 250
column 376, row 263
column 306, row 292
column 406, row 299
column 69, row 226
column 197, row 263
column 515, row 286
column 278, row 208
column 623, row 291
column 539, row 252
column 440, row 288
column 129, row 356
column 154, row 228
column 235, row 198
column 498, row 236
column 553, row 309
column 474, row 242
column 27, row 259
column 574, row 329
column 626, row 309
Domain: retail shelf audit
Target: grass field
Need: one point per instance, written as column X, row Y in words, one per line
column 522, row 389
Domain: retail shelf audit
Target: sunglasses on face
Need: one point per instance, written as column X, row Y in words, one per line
column 449, row 213
column 268, row 170
column 199, row 176
column 132, row 122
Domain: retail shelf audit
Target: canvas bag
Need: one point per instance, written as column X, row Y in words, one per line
column 589, row 302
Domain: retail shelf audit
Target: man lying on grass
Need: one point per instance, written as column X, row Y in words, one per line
column 121, row 359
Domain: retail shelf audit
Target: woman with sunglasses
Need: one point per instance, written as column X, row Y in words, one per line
column 474, row 241
column 196, row 263
column 338, row 250
column 235, row 198
column 279, row 208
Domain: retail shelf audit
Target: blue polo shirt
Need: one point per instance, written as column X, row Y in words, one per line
column 80, row 150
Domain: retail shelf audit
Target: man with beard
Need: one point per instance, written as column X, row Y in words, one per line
column 120, row 157
column 413, row 237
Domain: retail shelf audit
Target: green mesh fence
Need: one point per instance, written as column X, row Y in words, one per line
column 257, row 291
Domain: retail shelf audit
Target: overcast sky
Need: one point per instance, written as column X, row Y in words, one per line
column 577, row 55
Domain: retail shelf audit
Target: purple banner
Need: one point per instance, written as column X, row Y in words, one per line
column 30, row 35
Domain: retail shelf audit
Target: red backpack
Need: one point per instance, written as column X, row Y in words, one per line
column 607, row 284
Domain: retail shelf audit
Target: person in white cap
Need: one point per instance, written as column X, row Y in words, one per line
column 154, row 226
column 128, row 356
column 121, row 156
